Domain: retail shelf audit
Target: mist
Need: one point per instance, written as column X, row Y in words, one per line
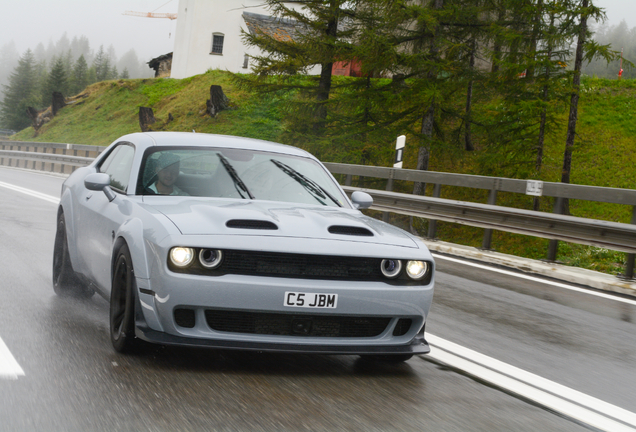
column 30, row 22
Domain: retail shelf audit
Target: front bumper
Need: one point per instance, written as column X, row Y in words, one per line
column 417, row 346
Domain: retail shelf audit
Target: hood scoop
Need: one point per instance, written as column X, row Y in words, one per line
column 251, row 224
column 350, row 230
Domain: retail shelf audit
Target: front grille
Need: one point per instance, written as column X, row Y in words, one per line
column 302, row 266
column 276, row 264
column 295, row 325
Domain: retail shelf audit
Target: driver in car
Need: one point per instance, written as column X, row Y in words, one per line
column 167, row 171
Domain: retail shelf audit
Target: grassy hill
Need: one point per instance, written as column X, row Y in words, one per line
column 604, row 155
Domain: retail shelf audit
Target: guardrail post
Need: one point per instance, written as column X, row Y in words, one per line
column 629, row 262
column 553, row 246
column 389, row 188
column 348, row 180
column 432, row 224
column 62, row 166
column 492, row 200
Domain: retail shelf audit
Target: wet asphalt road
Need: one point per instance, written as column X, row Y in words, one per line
column 74, row 381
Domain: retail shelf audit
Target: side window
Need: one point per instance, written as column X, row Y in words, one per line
column 118, row 164
column 217, row 43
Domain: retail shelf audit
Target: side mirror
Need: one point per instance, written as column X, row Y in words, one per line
column 361, row 200
column 99, row 182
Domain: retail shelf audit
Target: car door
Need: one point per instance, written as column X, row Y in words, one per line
column 100, row 218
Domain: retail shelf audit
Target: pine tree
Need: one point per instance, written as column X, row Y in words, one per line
column 79, row 79
column 113, row 73
column 42, row 79
column 57, row 81
column 19, row 94
column 101, row 64
column 317, row 43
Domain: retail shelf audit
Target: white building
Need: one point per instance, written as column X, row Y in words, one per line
column 208, row 35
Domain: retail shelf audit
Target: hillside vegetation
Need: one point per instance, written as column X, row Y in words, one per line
column 604, row 155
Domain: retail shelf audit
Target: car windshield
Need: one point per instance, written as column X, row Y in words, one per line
column 237, row 173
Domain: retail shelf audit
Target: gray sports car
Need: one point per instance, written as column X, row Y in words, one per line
column 227, row 242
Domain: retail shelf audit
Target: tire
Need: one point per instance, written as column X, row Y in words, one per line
column 388, row 358
column 66, row 283
column 122, row 303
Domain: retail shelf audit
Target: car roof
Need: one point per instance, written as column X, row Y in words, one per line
column 191, row 139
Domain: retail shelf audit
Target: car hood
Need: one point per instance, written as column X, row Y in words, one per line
column 267, row 218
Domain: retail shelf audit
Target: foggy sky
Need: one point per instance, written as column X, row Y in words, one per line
column 29, row 22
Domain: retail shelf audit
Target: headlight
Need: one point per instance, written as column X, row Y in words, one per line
column 181, row 256
column 210, row 258
column 391, row 268
column 416, row 269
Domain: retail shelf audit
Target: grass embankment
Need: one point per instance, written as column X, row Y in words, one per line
column 111, row 109
column 604, row 154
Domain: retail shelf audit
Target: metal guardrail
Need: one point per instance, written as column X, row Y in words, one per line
column 64, row 158
column 610, row 235
column 50, row 157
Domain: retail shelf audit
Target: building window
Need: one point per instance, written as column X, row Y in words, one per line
column 217, row 43
column 246, row 60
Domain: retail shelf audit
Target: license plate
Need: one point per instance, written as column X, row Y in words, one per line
column 310, row 300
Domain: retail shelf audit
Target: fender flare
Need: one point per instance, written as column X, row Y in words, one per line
column 131, row 233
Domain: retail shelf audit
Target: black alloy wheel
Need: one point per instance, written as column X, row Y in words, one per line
column 65, row 280
column 122, row 303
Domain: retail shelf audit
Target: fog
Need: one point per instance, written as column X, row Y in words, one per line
column 29, row 22
column 619, row 10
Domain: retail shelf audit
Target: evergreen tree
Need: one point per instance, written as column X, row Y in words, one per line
column 125, row 74
column 42, row 79
column 101, row 64
column 92, row 75
column 81, row 47
column 57, row 81
column 80, row 78
column 19, row 94
column 317, row 40
column 113, row 73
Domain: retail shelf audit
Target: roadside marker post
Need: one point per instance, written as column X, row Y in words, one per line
column 399, row 151
column 399, row 155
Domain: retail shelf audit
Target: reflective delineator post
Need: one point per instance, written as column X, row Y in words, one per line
column 399, row 151
column 399, row 155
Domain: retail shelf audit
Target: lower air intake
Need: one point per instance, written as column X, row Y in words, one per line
column 295, row 325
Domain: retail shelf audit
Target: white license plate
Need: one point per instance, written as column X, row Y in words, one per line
column 310, row 300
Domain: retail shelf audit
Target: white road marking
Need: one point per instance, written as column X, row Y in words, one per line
column 562, row 399
column 9, row 367
column 30, row 192
column 537, row 279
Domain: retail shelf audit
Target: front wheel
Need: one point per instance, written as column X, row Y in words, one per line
column 122, row 303
column 65, row 280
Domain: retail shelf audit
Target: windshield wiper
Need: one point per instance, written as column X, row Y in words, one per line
column 314, row 188
column 238, row 183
